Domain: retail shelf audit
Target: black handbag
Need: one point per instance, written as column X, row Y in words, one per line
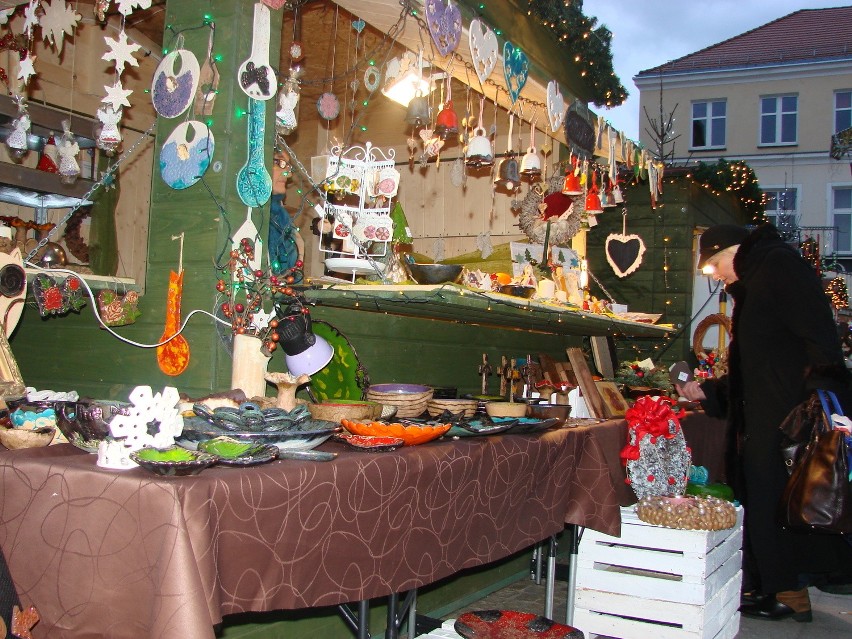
column 818, row 494
column 797, row 427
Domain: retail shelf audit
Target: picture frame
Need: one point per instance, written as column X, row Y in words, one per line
column 614, row 402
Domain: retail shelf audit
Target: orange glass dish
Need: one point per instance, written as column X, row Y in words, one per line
column 410, row 434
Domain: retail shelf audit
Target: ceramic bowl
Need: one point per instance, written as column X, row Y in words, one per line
column 411, row 434
column 455, row 406
column 307, row 435
column 547, row 411
column 86, row 423
column 517, row 290
column 435, row 273
column 173, row 461
column 506, row 409
column 354, row 410
column 410, row 399
column 15, row 438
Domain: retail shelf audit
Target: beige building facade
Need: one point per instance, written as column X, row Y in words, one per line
column 756, row 99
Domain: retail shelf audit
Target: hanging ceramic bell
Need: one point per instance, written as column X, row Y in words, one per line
column 571, row 185
column 508, row 176
column 617, row 196
column 418, row 111
column 531, row 163
column 593, row 202
column 479, row 151
column 606, row 200
column 447, row 124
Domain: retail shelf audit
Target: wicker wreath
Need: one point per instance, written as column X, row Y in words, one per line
column 724, row 323
column 531, row 222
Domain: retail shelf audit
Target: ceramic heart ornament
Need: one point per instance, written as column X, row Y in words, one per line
column 624, row 253
column 555, row 105
column 483, row 49
column 516, row 69
column 445, row 24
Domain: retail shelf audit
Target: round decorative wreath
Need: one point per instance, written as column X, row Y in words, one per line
column 720, row 367
column 73, row 239
column 533, row 222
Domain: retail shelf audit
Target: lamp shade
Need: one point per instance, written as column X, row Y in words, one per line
column 304, row 352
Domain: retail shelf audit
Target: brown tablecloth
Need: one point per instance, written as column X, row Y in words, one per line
column 128, row 554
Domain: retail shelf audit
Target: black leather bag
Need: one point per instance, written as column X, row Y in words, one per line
column 818, row 494
column 797, row 427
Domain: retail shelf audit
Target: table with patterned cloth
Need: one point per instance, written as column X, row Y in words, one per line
column 129, row 554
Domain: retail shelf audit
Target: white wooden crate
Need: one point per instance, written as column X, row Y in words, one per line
column 660, row 582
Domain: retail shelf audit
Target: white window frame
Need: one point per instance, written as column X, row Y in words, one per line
column 838, row 110
column 772, row 216
column 846, row 249
column 779, row 116
column 709, row 121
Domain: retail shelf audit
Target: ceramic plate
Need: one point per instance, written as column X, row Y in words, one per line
column 232, row 452
column 173, row 461
column 369, row 443
column 304, row 436
column 528, row 425
column 478, row 427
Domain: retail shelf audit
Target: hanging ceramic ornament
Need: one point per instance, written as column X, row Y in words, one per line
column 285, row 116
column 254, row 184
column 186, row 154
column 483, row 49
column 457, row 173
column 26, row 68
column 18, row 139
column 69, row 168
column 173, row 356
column 624, row 252
column 121, row 50
column 328, row 106
column 49, row 160
column 445, row 25
column 248, row 233
column 175, row 82
column 118, row 310
column 555, row 105
column 256, row 76
column 54, row 298
column 208, row 82
column 108, row 137
column 516, row 68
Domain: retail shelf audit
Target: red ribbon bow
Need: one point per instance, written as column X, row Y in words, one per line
column 649, row 416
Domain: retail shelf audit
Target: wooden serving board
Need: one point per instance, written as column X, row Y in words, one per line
column 587, row 385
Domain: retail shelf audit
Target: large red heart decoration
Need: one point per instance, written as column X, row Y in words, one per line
column 624, row 253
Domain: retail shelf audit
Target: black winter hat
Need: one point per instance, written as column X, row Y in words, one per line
column 718, row 238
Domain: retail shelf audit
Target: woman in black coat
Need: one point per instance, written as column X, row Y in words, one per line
column 784, row 344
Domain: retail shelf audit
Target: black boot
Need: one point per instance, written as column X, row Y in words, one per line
column 769, row 607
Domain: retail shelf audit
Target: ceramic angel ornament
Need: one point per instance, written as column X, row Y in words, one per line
column 17, row 139
column 69, row 168
column 109, row 136
column 288, row 99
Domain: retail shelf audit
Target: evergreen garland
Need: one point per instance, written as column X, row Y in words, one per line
column 589, row 46
column 737, row 178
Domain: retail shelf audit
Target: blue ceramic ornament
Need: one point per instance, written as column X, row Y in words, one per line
column 516, row 69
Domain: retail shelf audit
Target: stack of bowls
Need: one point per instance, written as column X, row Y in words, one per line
column 410, row 400
column 455, row 406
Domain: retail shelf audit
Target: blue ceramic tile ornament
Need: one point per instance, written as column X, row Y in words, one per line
column 516, row 69
column 445, row 24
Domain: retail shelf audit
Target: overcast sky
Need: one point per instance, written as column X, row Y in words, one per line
column 648, row 33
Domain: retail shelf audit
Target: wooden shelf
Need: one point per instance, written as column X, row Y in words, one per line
column 95, row 282
column 451, row 303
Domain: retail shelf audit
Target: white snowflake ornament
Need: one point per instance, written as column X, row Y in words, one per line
column 121, row 50
column 26, row 69
column 58, row 20
column 30, row 18
column 5, row 14
column 117, row 96
column 126, row 7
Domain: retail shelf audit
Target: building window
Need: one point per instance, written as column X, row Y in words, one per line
column 841, row 205
column 842, row 110
column 778, row 119
column 781, row 204
column 708, row 124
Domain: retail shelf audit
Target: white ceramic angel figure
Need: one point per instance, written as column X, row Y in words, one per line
column 528, row 277
column 69, row 169
column 109, row 137
column 17, row 140
column 286, row 114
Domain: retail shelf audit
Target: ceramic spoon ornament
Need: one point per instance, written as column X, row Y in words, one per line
column 173, row 356
column 256, row 77
column 254, row 184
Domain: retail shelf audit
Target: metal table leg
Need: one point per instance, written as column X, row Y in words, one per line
column 358, row 623
column 549, row 587
column 573, row 532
